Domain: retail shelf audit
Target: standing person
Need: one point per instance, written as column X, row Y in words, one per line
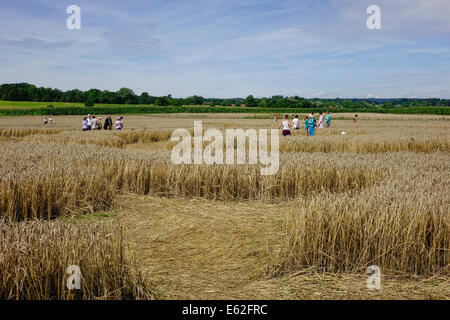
column 45, row 120
column 118, row 124
column 295, row 123
column 84, row 124
column 286, row 126
column 89, row 122
column 98, row 124
column 275, row 117
column 355, row 120
column 306, row 125
column 108, row 123
column 320, row 120
column 328, row 120
column 121, row 122
column 94, row 123
column 311, row 126
column 50, row 120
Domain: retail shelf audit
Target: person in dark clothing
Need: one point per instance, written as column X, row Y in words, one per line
column 108, row 123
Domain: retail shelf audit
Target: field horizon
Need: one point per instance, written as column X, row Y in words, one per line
column 26, row 108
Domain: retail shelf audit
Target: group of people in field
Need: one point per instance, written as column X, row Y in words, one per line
column 92, row 122
column 310, row 123
column 48, row 120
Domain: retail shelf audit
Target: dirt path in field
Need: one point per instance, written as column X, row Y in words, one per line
column 199, row 249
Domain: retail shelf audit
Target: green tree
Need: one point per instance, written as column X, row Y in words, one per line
column 250, row 101
column 144, row 98
column 177, row 102
column 263, row 103
column 33, row 93
column 93, row 95
column 126, row 95
column 162, row 101
column 198, row 100
column 90, row 102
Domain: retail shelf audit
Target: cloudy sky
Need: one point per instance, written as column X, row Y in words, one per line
column 230, row 48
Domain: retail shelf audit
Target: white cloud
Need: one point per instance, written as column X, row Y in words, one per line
column 318, row 94
column 225, row 48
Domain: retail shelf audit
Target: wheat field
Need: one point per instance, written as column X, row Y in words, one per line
column 141, row 227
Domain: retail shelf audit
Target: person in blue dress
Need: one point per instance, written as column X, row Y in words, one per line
column 306, row 125
column 311, row 125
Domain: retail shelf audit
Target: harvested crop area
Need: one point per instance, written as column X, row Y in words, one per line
column 142, row 227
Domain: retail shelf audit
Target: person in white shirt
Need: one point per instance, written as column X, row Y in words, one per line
column 94, row 122
column 320, row 120
column 89, row 122
column 286, row 126
column 119, row 124
column 295, row 123
column 84, row 124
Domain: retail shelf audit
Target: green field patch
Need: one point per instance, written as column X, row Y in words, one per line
column 17, row 108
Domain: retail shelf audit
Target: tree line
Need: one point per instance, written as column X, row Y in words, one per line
column 29, row 92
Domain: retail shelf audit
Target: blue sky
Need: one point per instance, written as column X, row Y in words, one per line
column 228, row 48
